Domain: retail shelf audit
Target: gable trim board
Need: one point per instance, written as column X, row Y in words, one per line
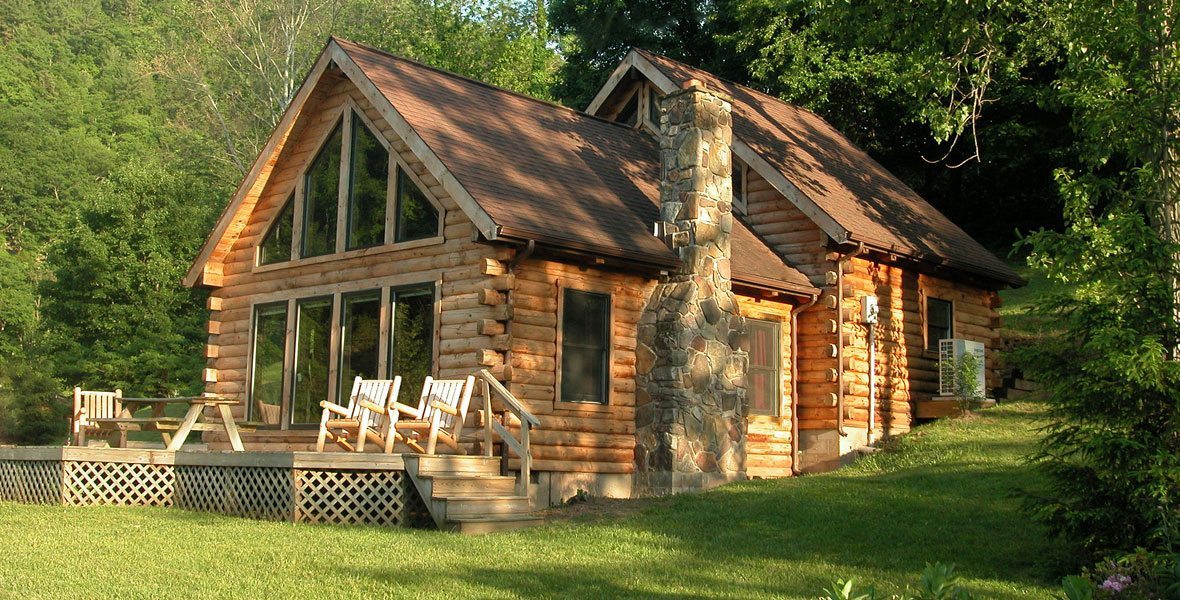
column 900, row 223
column 611, row 147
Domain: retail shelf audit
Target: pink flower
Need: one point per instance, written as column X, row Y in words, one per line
column 1116, row 583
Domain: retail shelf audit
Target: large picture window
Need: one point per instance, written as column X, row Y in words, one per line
column 411, row 338
column 270, row 347
column 368, row 188
column 764, row 374
column 377, row 335
column 585, row 346
column 313, row 328
column 940, row 322
column 321, row 193
column 360, row 337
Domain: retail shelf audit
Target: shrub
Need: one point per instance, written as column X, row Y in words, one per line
column 35, row 409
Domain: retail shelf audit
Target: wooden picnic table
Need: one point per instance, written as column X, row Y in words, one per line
column 175, row 430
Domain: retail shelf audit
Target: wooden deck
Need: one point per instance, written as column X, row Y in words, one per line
column 303, row 487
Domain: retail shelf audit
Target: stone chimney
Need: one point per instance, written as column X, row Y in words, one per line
column 690, row 366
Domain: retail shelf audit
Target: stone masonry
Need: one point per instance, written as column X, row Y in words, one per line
column 690, row 362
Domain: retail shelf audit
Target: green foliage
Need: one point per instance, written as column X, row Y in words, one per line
column 1112, row 445
column 1140, row 574
column 967, row 388
column 938, row 582
column 33, row 409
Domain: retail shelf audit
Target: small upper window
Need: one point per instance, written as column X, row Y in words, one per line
column 585, row 347
column 276, row 244
column 940, row 322
column 416, row 216
column 630, row 113
column 321, row 192
column 739, row 187
column 367, row 189
column 653, row 109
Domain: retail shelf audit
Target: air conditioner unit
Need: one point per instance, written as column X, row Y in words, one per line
column 949, row 353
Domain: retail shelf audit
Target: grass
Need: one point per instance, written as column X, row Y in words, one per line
column 943, row 493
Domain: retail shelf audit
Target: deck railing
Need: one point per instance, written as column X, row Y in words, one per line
column 493, row 427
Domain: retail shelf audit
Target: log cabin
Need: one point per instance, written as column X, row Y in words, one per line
column 672, row 280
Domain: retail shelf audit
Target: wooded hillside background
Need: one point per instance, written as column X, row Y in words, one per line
column 126, row 124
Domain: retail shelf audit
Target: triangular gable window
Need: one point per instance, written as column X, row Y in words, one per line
column 276, row 244
column 416, row 216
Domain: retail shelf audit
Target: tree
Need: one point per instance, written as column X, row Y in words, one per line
column 1112, row 446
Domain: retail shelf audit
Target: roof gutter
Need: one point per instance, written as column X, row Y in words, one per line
column 1012, row 280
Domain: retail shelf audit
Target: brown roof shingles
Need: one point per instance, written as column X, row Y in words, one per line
column 865, row 199
column 546, row 172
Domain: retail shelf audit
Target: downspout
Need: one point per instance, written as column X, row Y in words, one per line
column 860, row 248
column 872, row 341
column 795, row 382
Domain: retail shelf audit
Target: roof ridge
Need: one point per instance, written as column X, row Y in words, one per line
column 491, row 86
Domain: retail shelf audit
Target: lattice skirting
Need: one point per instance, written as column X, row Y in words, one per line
column 253, row 492
column 30, row 481
column 377, row 497
column 372, row 497
column 123, row 484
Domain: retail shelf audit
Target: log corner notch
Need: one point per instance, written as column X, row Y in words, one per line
column 497, row 295
column 212, row 275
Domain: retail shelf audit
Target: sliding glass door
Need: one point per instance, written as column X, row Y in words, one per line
column 411, row 339
column 360, row 338
column 313, row 347
column 270, row 348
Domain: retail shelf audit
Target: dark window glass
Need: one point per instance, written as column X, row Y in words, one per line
column 312, row 347
column 739, row 187
column 276, row 244
column 765, row 373
column 653, row 109
column 939, row 322
column 411, row 343
column 321, row 192
column 368, row 186
column 360, row 334
column 270, row 345
column 416, row 216
column 585, row 347
column 630, row 113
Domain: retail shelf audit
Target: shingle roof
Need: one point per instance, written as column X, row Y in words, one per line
column 549, row 173
column 865, row 199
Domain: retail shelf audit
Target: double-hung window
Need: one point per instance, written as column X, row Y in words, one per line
column 765, row 370
column 940, row 322
column 585, row 346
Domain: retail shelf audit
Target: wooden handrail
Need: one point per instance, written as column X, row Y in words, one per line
column 494, row 427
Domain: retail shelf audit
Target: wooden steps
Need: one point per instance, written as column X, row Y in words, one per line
column 467, row 494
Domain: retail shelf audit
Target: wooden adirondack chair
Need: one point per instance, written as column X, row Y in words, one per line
column 344, row 423
column 90, row 405
column 439, row 416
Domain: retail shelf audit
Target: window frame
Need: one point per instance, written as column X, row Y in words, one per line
column 388, row 293
column 333, row 351
column 608, row 400
column 950, row 325
column 341, row 115
column 344, row 297
column 776, row 326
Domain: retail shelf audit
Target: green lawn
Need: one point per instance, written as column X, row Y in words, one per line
column 944, row 493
